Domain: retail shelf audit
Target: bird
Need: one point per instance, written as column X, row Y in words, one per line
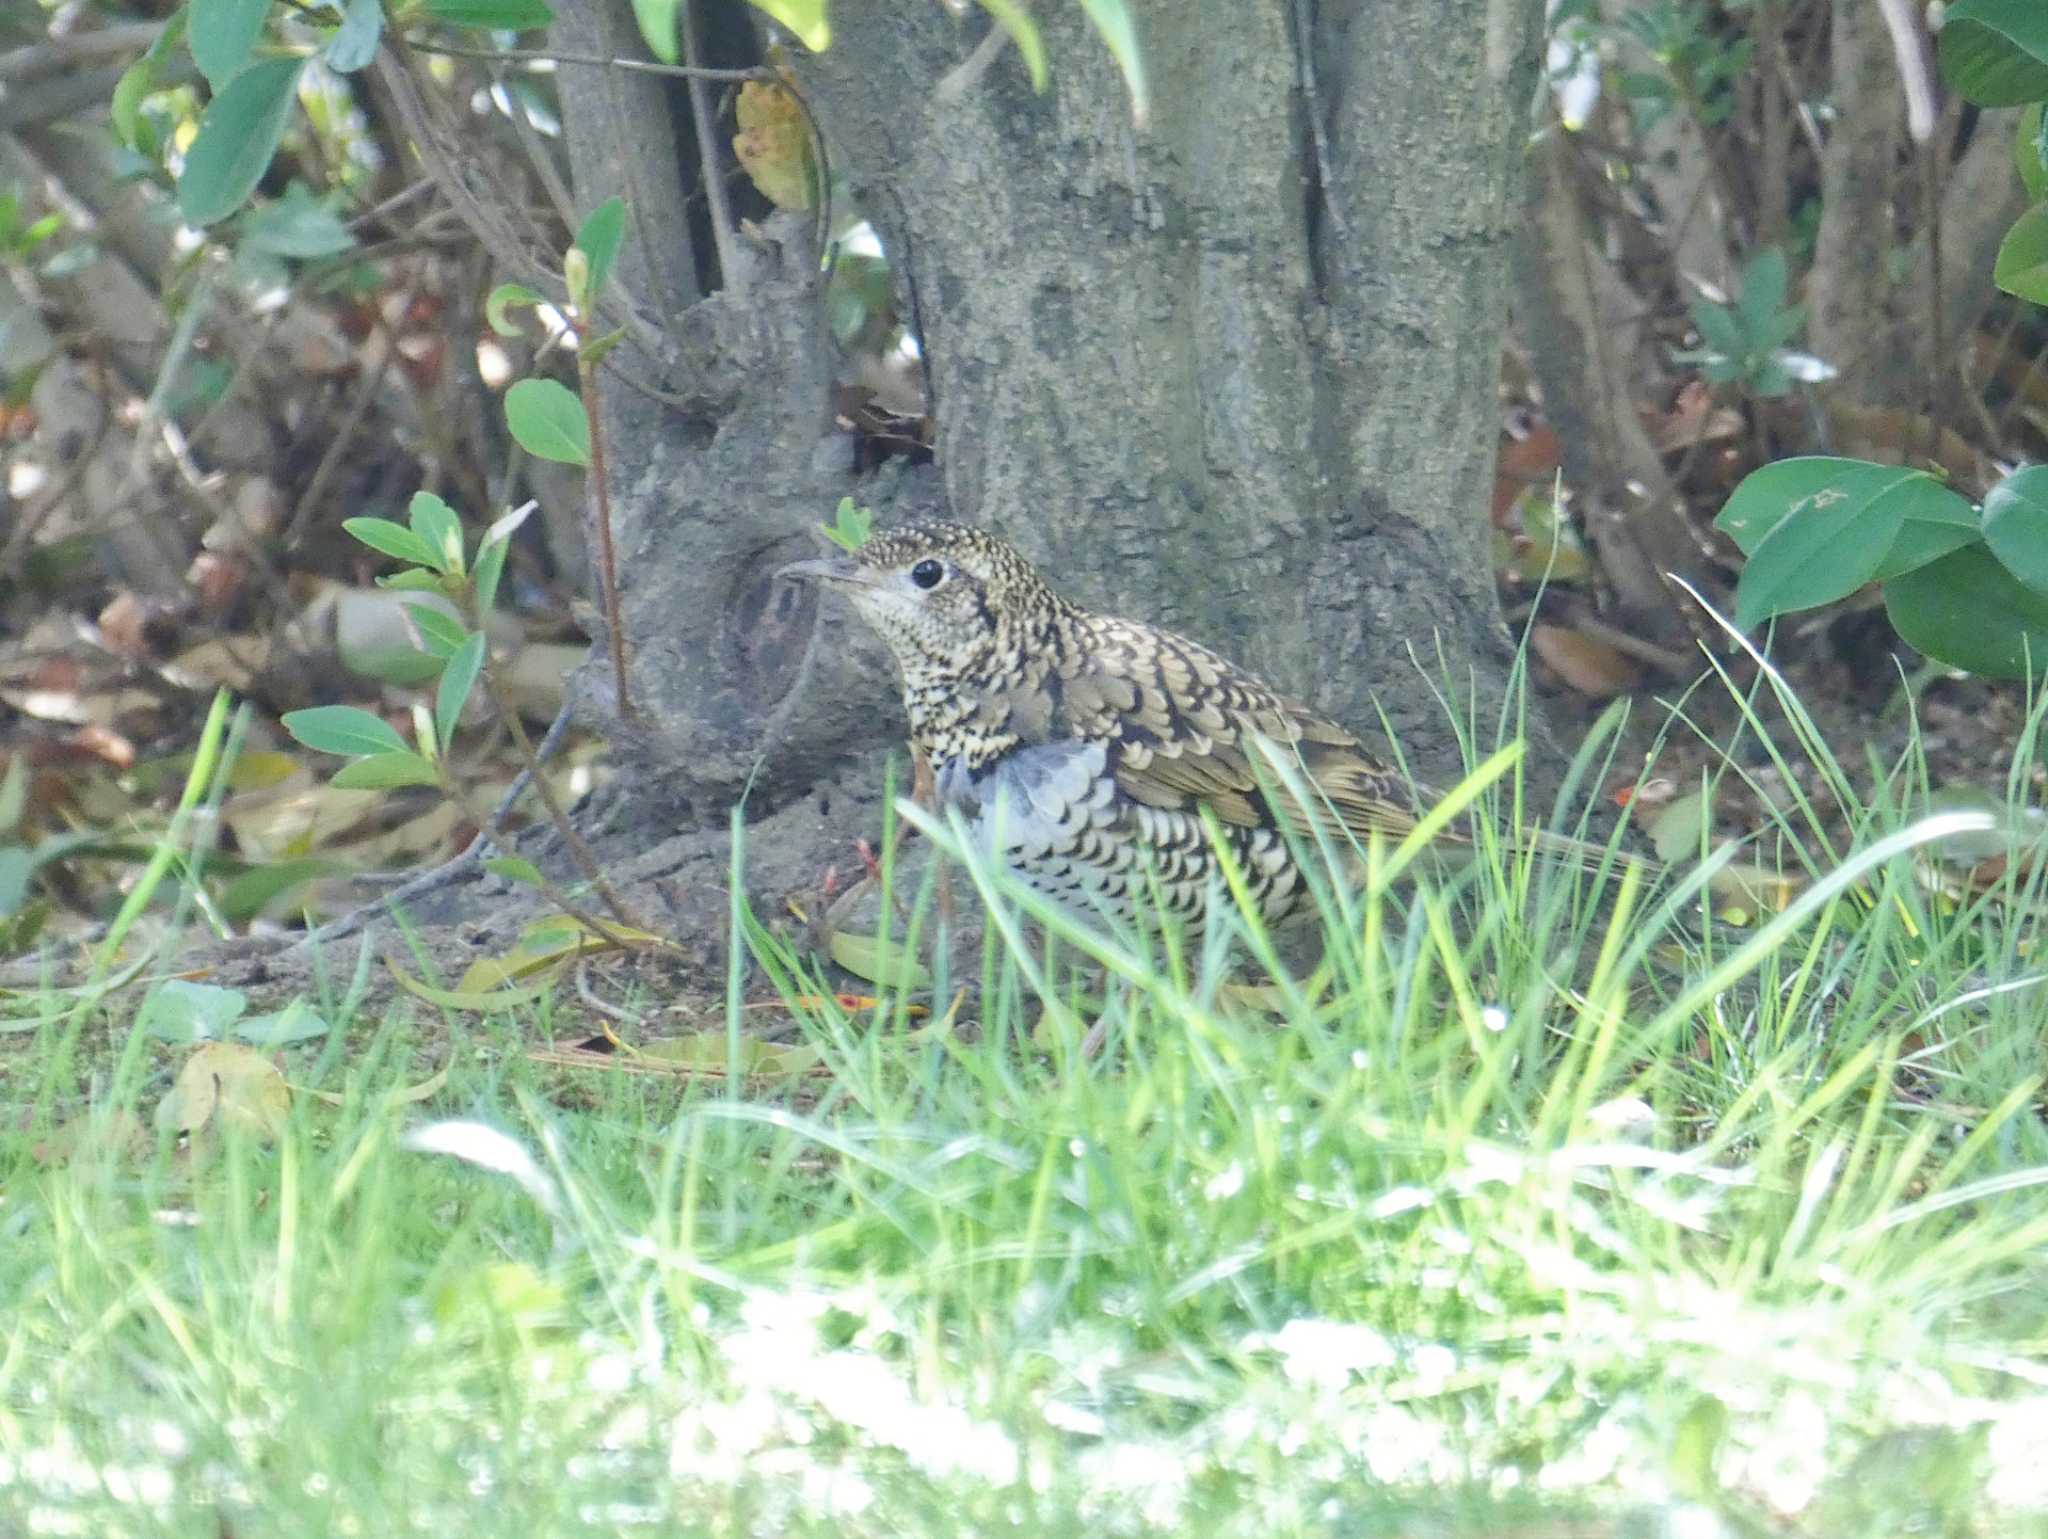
column 1084, row 751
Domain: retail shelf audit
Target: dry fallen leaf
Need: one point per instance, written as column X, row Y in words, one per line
column 773, row 145
column 231, row 1084
column 1588, row 664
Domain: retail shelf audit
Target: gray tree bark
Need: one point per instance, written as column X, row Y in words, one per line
column 1232, row 371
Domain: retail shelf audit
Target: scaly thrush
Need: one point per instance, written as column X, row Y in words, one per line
column 1084, row 749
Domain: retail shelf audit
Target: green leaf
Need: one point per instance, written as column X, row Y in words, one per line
column 394, row 540
column 180, row 1011
column 297, row 225
column 2022, row 264
column 1995, row 52
column 1112, row 19
column 37, row 233
column 1015, row 20
column 1773, row 493
column 296, row 1022
column 13, row 792
column 599, row 240
column 413, row 580
column 140, row 78
column 1921, row 540
column 502, row 298
column 657, row 20
column 354, row 43
column 404, row 666
column 490, row 566
column 547, row 419
column 1695, row 1445
column 804, row 18
column 2016, row 526
column 439, row 529
column 440, row 632
column 592, row 353
column 343, row 729
column 380, row 772
column 223, row 34
column 2030, row 149
column 1719, row 329
column 457, row 679
column 1763, row 291
column 513, row 869
column 238, row 133
column 1968, row 611
column 878, row 959
column 16, row 867
column 850, row 526
column 1816, row 529
column 251, row 892
column 492, row 15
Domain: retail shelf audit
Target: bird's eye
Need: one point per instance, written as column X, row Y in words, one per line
column 928, row 573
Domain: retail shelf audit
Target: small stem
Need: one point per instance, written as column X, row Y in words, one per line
column 579, row 852
column 554, row 894
column 601, row 61
column 731, row 271
column 607, row 561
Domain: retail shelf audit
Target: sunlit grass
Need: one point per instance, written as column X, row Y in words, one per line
column 1554, row 1204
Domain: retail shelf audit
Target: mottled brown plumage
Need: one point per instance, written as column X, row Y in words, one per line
column 1086, row 748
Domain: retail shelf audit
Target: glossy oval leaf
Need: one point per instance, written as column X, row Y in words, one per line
column 1773, row 493
column 1816, row 529
column 223, row 34
column 657, row 19
column 501, row 300
column 238, row 134
column 2022, row 264
column 343, row 729
column 386, row 771
column 2016, row 525
column 546, row 417
column 804, row 18
column 439, row 529
column 354, row 43
column 141, row 78
column 2030, row 150
column 1968, row 611
column 457, row 679
column 440, row 633
column 394, row 540
column 599, row 240
column 1995, row 52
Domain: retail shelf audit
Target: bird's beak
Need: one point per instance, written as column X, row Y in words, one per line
column 833, row 569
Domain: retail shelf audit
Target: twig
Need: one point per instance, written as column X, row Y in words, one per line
column 543, row 163
column 1774, row 175
column 599, row 483
column 330, row 459
column 391, row 205
column 1312, row 106
column 63, row 53
column 579, row 852
column 958, row 80
column 731, row 269
column 600, row 61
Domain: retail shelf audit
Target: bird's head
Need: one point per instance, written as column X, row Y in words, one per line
column 939, row 594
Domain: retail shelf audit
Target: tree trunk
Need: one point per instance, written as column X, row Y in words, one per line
column 1229, row 371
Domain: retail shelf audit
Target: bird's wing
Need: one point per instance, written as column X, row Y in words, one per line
column 1184, row 730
